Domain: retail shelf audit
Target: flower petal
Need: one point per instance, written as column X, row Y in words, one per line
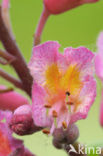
column 101, row 110
column 38, row 109
column 100, row 43
column 43, row 56
column 99, row 57
column 87, row 95
column 82, row 57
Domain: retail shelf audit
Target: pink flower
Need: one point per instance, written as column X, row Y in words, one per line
column 99, row 69
column 99, row 57
column 59, row 6
column 8, row 144
column 64, row 88
column 5, row 4
column 11, row 100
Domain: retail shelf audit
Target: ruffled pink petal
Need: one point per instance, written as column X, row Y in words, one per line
column 81, row 56
column 38, row 109
column 101, row 110
column 11, row 100
column 43, row 56
column 87, row 95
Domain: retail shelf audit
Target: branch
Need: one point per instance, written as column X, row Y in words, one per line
column 19, row 64
column 9, row 58
column 11, row 79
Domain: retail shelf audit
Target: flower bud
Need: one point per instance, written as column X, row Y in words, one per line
column 68, row 136
column 22, row 122
column 57, row 144
column 59, row 6
column 72, row 134
column 11, row 100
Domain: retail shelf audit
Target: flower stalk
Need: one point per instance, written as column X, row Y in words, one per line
column 43, row 19
column 9, row 58
column 11, row 79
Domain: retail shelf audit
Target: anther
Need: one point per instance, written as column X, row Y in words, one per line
column 47, row 106
column 64, row 124
column 67, row 93
column 45, row 131
column 70, row 103
column 55, row 115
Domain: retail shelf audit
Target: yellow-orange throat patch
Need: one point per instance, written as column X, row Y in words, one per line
column 69, row 80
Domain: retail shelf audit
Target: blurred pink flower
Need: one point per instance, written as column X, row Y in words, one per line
column 64, row 88
column 7, row 143
column 99, row 69
column 99, row 57
column 10, row 146
column 5, row 3
column 101, row 110
column 59, row 6
column 11, row 100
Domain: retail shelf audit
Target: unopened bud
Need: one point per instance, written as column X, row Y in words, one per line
column 22, row 122
column 72, row 134
column 57, row 144
column 68, row 136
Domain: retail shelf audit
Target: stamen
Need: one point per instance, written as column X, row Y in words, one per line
column 70, row 103
column 67, row 93
column 47, row 106
column 45, row 131
column 55, row 115
column 47, row 111
column 64, row 124
column 55, row 122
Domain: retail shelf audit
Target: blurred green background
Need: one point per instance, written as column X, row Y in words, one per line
column 77, row 27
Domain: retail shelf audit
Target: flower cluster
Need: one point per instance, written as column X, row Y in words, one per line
column 61, row 86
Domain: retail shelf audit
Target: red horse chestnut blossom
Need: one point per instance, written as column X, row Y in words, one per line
column 64, row 88
column 11, row 100
column 99, row 70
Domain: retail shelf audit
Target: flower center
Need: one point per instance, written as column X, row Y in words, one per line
column 62, row 88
